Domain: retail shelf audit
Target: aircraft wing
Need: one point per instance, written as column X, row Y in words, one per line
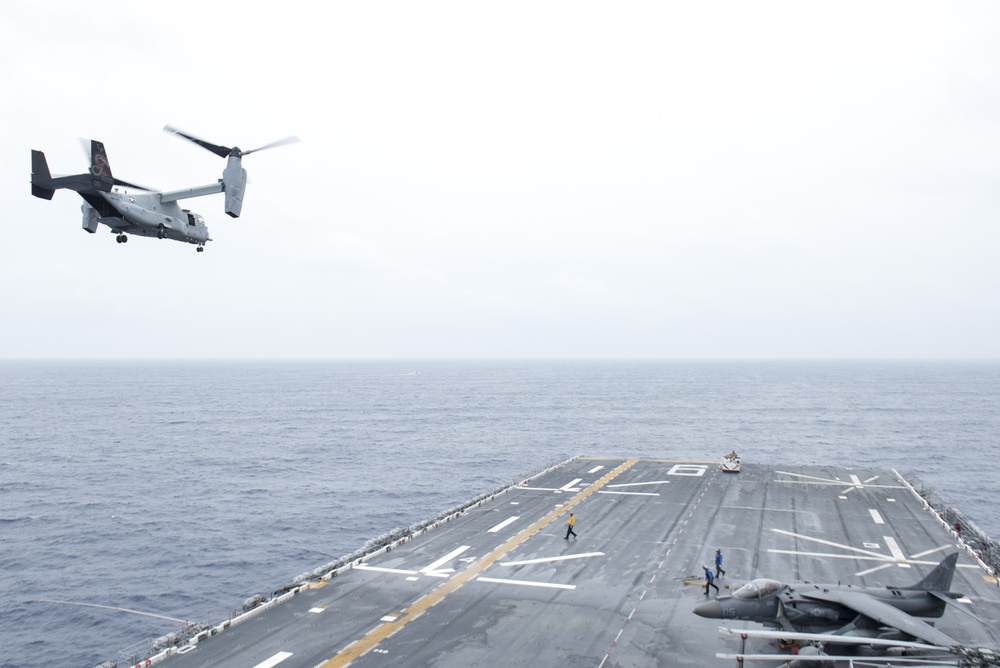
column 830, row 638
column 884, row 614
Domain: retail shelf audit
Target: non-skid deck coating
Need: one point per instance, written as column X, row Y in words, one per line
column 501, row 586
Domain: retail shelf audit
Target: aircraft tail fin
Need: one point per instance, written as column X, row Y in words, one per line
column 39, row 175
column 940, row 578
column 100, row 168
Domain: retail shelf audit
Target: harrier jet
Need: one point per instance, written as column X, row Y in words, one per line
column 889, row 613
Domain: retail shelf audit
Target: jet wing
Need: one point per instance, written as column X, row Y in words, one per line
column 884, row 614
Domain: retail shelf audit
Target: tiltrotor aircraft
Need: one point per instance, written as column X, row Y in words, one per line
column 147, row 214
column 846, row 611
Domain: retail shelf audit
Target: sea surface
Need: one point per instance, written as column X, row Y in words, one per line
column 181, row 488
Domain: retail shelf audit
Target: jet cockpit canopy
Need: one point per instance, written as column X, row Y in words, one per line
column 758, row 589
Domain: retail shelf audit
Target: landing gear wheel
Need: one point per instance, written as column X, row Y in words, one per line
column 201, row 249
column 121, row 238
column 162, row 233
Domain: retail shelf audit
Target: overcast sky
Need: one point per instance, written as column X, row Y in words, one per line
column 513, row 179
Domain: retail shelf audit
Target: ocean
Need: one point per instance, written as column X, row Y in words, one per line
column 181, row 488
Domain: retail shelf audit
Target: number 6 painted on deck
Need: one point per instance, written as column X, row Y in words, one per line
column 688, row 469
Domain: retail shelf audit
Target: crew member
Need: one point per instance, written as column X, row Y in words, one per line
column 709, row 580
column 718, row 563
column 569, row 526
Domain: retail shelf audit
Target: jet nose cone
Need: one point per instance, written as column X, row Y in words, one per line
column 710, row 609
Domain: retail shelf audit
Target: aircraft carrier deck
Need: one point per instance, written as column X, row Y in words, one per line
column 500, row 585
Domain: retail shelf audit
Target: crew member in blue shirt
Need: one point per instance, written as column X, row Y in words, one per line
column 709, row 580
column 718, row 563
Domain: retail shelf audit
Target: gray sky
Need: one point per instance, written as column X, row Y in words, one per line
column 516, row 179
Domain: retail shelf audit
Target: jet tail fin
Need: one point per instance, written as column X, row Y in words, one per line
column 940, row 578
column 39, row 175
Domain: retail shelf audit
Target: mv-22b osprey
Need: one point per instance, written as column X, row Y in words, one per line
column 147, row 214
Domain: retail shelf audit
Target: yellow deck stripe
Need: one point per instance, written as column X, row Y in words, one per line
column 383, row 631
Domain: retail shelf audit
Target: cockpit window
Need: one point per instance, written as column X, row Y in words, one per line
column 756, row 589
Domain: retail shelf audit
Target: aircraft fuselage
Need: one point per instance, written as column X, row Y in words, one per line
column 806, row 613
column 142, row 214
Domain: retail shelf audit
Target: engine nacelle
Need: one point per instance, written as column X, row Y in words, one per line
column 234, row 182
column 90, row 218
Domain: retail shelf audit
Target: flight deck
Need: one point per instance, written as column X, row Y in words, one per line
column 501, row 585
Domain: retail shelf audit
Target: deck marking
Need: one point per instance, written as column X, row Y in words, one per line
column 390, row 618
column 830, row 543
column 568, row 486
column 546, row 560
column 855, row 483
column 380, row 633
column 509, row 520
column 875, row 516
column 637, row 484
column 872, row 570
column 692, row 470
column 930, row 551
column 526, row 583
column 897, row 553
column 399, row 571
column 274, row 660
column 432, row 568
column 596, row 469
column 631, row 493
column 809, row 477
column 318, row 609
column 877, row 557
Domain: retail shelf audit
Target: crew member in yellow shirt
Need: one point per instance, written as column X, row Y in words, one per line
column 569, row 526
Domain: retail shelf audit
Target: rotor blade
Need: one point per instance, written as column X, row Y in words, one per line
column 220, row 151
column 281, row 142
column 85, row 147
column 119, row 182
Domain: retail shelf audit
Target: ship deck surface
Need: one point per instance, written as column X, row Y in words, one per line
column 502, row 586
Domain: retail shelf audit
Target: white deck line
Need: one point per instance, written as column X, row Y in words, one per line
column 630, row 493
column 527, row 583
column 637, row 484
column 443, row 560
column 897, row 553
column 509, row 520
column 274, row 660
column 546, row 560
column 382, row 569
